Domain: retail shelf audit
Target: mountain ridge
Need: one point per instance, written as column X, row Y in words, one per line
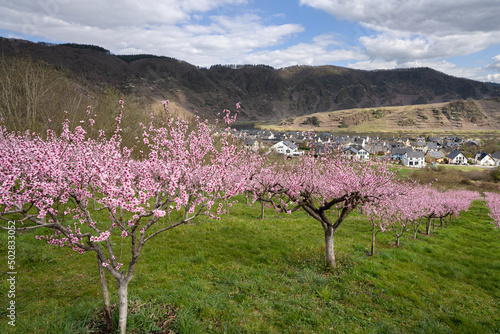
column 265, row 93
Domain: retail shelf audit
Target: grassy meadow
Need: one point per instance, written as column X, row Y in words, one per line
column 246, row 275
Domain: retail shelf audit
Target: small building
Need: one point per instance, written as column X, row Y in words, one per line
column 405, row 141
column 378, row 148
column 287, row 148
column 483, row 159
column 419, row 146
column 496, row 157
column 432, row 147
column 323, row 149
column 456, row 157
column 437, row 140
column 357, row 152
column 415, row 159
column 251, row 144
column 398, row 153
column 360, row 141
column 435, row 156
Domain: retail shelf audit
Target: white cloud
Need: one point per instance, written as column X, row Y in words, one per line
column 495, row 65
column 423, row 16
column 391, row 33
column 491, row 78
column 370, row 65
column 445, row 67
column 173, row 28
column 441, row 66
column 324, row 49
column 109, row 14
column 391, row 46
column 419, row 29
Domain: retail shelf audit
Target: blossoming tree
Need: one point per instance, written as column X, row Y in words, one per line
column 396, row 213
column 441, row 204
column 65, row 183
column 265, row 183
column 339, row 185
column 400, row 213
column 376, row 218
column 493, row 203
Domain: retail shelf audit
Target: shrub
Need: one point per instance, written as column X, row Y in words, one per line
column 495, row 175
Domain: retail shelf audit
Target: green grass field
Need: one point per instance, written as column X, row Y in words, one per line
column 246, row 275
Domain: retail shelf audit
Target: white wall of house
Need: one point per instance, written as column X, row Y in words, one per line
column 361, row 154
column 486, row 161
column 282, row 148
column 459, row 159
column 413, row 161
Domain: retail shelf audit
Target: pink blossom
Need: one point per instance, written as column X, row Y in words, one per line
column 102, row 237
column 187, row 167
column 159, row 213
column 493, row 204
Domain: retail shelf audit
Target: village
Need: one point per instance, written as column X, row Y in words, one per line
column 417, row 153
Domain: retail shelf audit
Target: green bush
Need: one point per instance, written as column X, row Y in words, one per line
column 495, row 174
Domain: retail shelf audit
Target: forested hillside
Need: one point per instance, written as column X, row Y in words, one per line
column 264, row 92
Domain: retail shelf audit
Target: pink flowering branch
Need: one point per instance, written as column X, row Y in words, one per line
column 61, row 182
column 333, row 184
column 493, row 204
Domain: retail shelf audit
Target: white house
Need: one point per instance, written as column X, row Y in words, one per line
column 420, row 146
column 456, row 157
column 357, row 152
column 414, row 159
column 496, row 156
column 287, row 148
column 483, row 159
column 398, row 153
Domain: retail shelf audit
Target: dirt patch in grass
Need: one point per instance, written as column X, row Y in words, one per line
column 159, row 318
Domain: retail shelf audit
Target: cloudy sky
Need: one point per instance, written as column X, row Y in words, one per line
column 458, row 37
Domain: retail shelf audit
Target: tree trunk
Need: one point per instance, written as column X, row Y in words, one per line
column 441, row 220
column 105, row 296
column 227, row 209
column 330, row 251
column 123, row 305
column 416, row 225
column 428, row 227
column 397, row 240
column 373, row 241
column 262, row 206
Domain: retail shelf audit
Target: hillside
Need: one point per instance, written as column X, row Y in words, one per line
column 458, row 115
column 265, row 93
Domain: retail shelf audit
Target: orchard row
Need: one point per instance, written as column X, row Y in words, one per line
column 66, row 183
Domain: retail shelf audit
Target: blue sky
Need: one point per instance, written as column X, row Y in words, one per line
column 458, row 37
